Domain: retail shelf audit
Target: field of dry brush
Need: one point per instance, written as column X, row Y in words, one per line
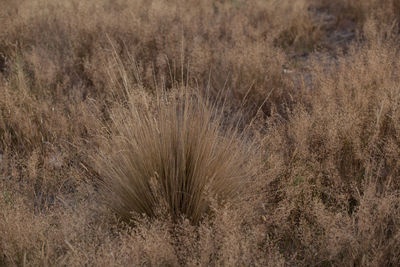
column 200, row 133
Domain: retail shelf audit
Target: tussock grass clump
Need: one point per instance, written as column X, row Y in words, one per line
column 172, row 158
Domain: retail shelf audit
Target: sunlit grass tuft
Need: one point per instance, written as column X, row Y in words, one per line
column 172, row 158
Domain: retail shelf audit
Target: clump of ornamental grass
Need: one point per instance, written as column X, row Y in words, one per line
column 174, row 158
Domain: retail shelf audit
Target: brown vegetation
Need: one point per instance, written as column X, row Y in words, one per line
column 225, row 133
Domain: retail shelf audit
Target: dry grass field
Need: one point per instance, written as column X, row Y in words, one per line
column 200, row 133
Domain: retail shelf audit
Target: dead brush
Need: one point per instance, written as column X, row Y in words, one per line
column 172, row 158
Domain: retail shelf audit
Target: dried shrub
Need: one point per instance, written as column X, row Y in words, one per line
column 175, row 158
